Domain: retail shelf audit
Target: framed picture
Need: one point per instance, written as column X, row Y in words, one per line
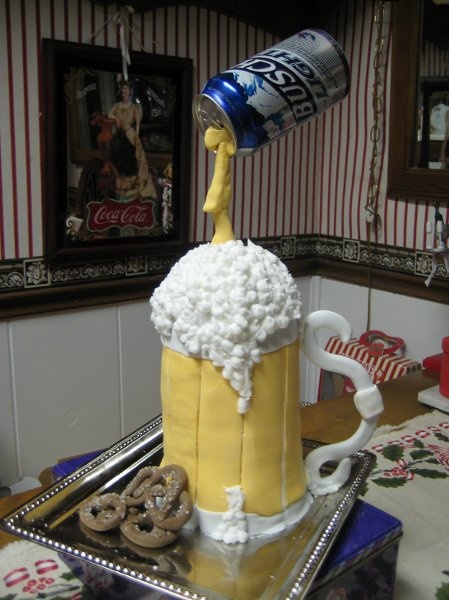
column 433, row 130
column 116, row 168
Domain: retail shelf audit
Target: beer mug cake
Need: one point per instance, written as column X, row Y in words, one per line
column 231, row 323
column 230, row 318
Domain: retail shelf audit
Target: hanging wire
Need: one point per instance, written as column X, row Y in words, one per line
column 371, row 207
column 121, row 19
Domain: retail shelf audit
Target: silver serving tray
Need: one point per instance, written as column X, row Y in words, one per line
column 194, row 567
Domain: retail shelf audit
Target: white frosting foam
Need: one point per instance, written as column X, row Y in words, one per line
column 228, row 303
column 211, row 523
column 233, row 528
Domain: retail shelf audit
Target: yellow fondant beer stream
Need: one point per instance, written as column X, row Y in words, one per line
column 219, row 194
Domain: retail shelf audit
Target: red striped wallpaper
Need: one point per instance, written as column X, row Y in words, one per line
column 314, row 181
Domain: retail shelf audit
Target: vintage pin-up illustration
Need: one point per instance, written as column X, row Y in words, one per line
column 121, row 180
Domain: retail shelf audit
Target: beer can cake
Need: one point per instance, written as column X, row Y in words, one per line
column 275, row 91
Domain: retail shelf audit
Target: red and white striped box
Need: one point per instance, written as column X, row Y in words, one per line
column 380, row 367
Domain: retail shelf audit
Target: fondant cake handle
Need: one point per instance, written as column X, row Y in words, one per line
column 367, row 400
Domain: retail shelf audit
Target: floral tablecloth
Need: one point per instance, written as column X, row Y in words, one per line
column 31, row 571
column 28, row 570
column 411, row 482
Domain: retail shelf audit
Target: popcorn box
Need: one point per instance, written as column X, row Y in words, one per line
column 381, row 366
column 362, row 561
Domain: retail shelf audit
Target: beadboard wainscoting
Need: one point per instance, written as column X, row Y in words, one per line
column 74, row 382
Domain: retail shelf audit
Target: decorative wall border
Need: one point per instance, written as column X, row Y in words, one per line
column 400, row 260
column 21, row 277
column 37, row 273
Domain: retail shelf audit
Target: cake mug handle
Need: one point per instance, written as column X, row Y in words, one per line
column 367, row 399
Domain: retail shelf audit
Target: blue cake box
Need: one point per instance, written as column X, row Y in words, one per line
column 66, row 467
column 362, row 561
column 360, row 564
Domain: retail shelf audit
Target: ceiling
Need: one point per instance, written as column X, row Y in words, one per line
column 281, row 17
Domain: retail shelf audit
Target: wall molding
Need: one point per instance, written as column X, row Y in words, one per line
column 397, row 270
column 36, row 285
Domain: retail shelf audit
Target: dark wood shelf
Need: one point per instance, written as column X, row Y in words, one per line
column 283, row 18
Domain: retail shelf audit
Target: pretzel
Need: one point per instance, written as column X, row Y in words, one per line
column 152, row 507
column 138, row 488
column 162, row 501
column 103, row 513
column 140, row 529
column 179, row 513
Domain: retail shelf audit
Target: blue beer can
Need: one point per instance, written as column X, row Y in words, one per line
column 266, row 96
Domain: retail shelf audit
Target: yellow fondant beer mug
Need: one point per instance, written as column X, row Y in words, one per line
column 230, row 318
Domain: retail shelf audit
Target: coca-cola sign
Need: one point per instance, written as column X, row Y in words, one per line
column 136, row 213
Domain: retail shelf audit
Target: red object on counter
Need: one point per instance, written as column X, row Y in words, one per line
column 444, row 374
column 433, row 363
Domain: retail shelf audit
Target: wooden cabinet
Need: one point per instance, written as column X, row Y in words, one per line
column 283, row 18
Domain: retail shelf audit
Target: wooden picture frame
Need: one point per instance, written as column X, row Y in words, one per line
column 433, row 147
column 116, row 167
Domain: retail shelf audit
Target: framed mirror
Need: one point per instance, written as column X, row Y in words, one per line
column 417, row 168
